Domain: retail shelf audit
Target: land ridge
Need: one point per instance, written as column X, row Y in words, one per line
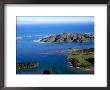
column 69, row 37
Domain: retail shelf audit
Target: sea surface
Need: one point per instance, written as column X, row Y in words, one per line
column 51, row 56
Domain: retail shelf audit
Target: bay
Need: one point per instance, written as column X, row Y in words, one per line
column 51, row 56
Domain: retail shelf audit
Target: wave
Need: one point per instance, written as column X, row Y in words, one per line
column 43, row 36
column 28, row 36
column 38, row 41
column 37, row 38
column 20, row 37
column 47, row 35
column 39, row 35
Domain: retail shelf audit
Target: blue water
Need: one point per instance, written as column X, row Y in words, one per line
column 51, row 56
column 43, row 29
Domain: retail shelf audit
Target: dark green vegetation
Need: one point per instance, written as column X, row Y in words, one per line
column 26, row 65
column 70, row 37
column 81, row 58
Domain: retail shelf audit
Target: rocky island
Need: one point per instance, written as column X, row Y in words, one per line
column 81, row 58
column 69, row 37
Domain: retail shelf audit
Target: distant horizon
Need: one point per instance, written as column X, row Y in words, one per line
column 54, row 23
column 54, row 20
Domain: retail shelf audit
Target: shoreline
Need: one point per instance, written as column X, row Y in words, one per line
column 82, row 59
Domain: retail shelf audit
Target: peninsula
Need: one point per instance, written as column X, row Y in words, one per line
column 81, row 58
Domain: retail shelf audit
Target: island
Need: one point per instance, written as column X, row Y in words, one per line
column 81, row 58
column 69, row 37
column 26, row 65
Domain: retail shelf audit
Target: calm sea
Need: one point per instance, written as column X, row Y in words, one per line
column 51, row 56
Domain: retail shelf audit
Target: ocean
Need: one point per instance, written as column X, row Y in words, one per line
column 51, row 56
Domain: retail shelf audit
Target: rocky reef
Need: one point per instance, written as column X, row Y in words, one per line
column 69, row 37
column 81, row 58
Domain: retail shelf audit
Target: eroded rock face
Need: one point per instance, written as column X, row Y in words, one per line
column 70, row 37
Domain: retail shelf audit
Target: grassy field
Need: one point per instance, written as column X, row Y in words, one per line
column 81, row 58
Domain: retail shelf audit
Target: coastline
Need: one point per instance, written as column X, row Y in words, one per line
column 82, row 59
